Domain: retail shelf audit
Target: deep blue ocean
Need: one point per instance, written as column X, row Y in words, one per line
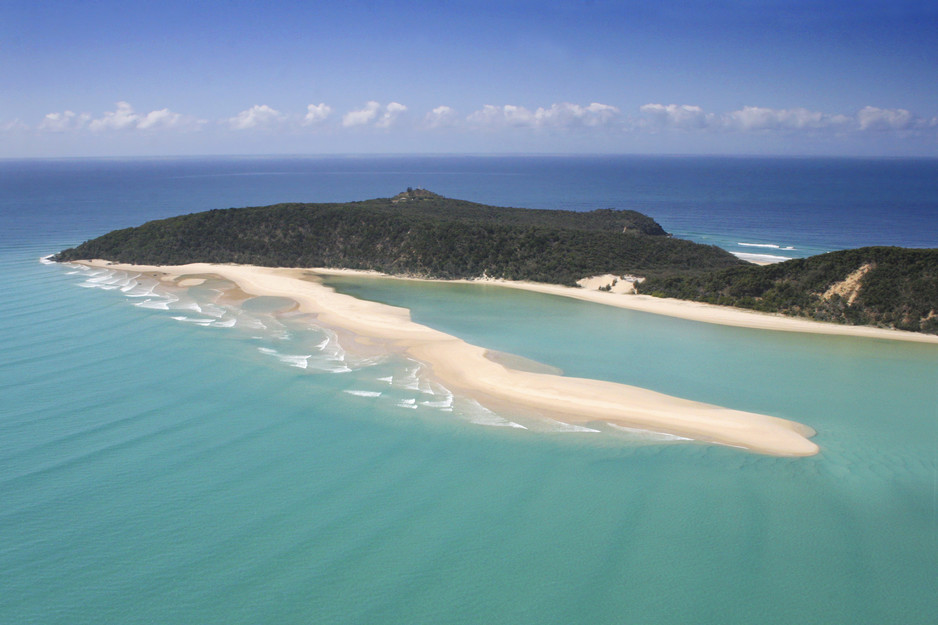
column 169, row 457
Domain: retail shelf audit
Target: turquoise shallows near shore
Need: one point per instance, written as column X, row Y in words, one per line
column 465, row 367
column 155, row 469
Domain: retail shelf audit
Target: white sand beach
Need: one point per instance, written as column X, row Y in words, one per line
column 683, row 309
column 465, row 368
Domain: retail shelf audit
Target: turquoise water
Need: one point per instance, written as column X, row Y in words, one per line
column 180, row 465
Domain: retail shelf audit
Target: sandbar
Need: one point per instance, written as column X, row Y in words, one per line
column 466, row 368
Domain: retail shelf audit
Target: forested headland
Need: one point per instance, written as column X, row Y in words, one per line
column 416, row 233
column 421, row 234
column 889, row 287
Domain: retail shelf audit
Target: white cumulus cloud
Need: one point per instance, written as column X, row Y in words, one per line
column 751, row 118
column 362, row 116
column 63, row 122
column 567, row 114
column 163, row 118
column 13, row 126
column 681, row 116
column 258, row 116
column 562, row 115
column 373, row 112
column 315, row 113
column 873, row 118
column 490, row 115
column 391, row 112
column 121, row 118
column 441, row 117
column 746, row 119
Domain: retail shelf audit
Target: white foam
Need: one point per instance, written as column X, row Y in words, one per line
column 411, row 379
column 143, row 288
column 480, row 415
column 47, row 260
column 196, row 320
column 153, row 304
column 766, row 245
column 188, row 305
column 408, row 403
column 389, row 379
column 442, row 404
column 437, row 390
column 648, row 435
column 225, row 323
column 560, row 426
column 364, row 393
column 317, row 362
column 361, row 363
column 330, row 346
column 247, row 321
column 100, row 277
column 212, row 310
column 300, row 361
column 760, row 258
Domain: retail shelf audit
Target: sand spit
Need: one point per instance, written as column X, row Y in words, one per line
column 466, row 368
column 693, row 311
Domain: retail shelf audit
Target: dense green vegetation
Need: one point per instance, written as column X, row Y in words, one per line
column 415, row 233
column 883, row 286
column 419, row 233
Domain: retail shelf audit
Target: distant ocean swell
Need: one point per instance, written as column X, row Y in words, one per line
column 294, row 340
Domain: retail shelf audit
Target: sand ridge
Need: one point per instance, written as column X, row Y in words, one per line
column 465, row 367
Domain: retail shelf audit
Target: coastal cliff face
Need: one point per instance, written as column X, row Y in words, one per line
column 879, row 286
column 416, row 233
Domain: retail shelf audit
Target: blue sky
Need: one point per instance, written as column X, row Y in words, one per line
column 602, row 76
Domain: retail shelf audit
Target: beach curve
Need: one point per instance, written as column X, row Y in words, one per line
column 467, row 368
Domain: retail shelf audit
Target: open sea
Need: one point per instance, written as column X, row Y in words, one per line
column 171, row 458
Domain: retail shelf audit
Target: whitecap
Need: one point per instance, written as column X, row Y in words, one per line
column 141, row 289
column 363, row 393
column 480, row 415
column 154, row 304
column 408, row 403
column 47, row 260
column 767, row 245
column 330, row 346
column 195, row 320
column 760, row 258
column 188, row 305
column 300, row 361
column 443, row 404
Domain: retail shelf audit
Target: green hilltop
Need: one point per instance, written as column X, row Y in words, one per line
column 415, row 233
column 888, row 287
column 419, row 233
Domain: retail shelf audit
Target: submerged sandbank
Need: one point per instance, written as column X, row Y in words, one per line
column 465, row 367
